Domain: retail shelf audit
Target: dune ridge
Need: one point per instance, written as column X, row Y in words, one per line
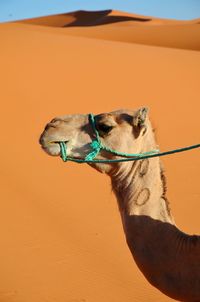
column 93, row 18
column 124, row 27
column 86, row 18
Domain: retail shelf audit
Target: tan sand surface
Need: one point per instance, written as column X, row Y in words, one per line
column 61, row 234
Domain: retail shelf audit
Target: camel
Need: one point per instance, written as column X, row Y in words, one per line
column 167, row 257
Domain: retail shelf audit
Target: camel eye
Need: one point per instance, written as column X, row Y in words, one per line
column 104, row 129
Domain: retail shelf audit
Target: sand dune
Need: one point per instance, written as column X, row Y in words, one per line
column 61, row 234
column 130, row 28
column 94, row 18
column 173, row 36
column 86, row 18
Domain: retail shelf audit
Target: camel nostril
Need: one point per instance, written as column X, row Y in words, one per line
column 53, row 121
column 56, row 121
column 53, row 124
column 50, row 125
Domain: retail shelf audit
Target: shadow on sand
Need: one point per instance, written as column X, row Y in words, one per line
column 86, row 18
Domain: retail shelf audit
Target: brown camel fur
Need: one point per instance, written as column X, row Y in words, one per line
column 168, row 258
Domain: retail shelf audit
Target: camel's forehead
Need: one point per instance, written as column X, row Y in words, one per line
column 117, row 112
column 80, row 115
column 121, row 112
column 118, row 115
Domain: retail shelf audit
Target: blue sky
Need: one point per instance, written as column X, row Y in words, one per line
column 175, row 9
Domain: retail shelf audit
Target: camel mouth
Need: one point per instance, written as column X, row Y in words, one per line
column 52, row 147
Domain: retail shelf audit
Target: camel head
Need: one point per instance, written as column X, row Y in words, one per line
column 122, row 130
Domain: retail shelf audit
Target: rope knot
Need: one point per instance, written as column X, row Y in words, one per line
column 96, row 147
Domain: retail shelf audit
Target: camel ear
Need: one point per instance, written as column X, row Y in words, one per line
column 140, row 117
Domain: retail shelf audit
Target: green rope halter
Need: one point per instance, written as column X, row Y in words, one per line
column 96, row 146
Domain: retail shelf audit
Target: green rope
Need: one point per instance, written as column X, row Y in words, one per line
column 140, row 157
column 97, row 146
column 63, row 151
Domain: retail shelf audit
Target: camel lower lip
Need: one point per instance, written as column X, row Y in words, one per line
column 52, row 148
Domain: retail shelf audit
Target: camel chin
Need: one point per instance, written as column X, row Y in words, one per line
column 102, row 167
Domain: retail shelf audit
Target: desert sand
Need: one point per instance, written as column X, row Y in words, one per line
column 61, row 234
column 125, row 27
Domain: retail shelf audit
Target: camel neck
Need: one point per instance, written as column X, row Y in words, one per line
column 157, row 245
column 140, row 188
